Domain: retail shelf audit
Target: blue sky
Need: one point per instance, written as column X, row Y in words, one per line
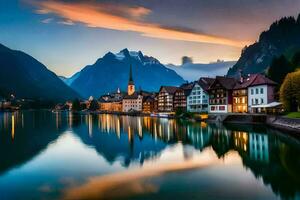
column 68, row 35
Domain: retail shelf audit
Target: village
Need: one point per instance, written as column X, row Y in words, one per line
column 254, row 93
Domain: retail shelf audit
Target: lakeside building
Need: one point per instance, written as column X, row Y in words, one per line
column 240, row 94
column 261, row 94
column 133, row 101
column 4, row 104
column 111, row 102
column 165, row 98
column 220, row 95
column 180, row 96
column 197, row 99
column 148, row 104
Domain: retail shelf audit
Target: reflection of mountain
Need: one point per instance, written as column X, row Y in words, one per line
column 120, row 140
column 23, row 136
column 133, row 140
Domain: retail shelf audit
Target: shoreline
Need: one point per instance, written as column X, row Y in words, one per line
column 290, row 125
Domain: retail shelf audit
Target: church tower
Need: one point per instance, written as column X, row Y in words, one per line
column 131, row 87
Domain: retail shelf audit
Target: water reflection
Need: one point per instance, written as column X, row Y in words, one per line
column 134, row 141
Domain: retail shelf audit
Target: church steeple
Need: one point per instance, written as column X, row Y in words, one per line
column 131, row 87
column 130, row 76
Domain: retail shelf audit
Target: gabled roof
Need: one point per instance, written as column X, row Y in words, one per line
column 262, row 80
column 227, row 83
column 205, row 82
column 169, row 89
column 253, row 80
column 186, row 88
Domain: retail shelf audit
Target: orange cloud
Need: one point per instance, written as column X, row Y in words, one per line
column 124, row 18
column 131, row 182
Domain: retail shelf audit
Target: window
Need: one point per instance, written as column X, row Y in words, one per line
column 261, row 90
column 221, row 107
column 256, row 101
column 252, row 91
column 262, row 100
column 212, row 108
column 256, row 90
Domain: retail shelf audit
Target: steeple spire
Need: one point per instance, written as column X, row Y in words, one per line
column 131, row 87
column 130, row 75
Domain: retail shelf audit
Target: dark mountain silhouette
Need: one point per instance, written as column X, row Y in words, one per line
column 25, row 77
column 282, row 38
column 112, row 71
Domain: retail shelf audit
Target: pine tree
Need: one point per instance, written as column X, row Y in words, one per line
column 279, row 68
column 296, row 60
column 76, row 105
column 94, row 105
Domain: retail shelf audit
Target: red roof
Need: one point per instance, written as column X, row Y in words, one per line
column 253, row 80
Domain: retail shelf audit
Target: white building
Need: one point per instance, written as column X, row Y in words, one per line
column 260, row 93
column 197, row 100
column 133, row 101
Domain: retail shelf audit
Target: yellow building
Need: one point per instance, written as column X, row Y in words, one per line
column 240, row 100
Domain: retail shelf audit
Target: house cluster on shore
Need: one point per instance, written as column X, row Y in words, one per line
column 253, row 93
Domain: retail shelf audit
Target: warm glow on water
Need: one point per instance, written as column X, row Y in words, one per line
column 67, row 156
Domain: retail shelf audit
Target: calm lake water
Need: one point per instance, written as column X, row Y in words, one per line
column 46, row 155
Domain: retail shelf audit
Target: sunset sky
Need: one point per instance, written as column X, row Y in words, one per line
column 68, row 35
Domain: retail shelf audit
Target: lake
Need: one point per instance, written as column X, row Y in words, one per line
column 47, row 155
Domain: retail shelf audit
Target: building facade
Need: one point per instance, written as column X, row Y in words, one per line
column 220, row 95
column 165, row 98
column 148, row 105
column 133, row 101
column 180, row 96
column 261, row 92
column 197, row 99
column 111, row 102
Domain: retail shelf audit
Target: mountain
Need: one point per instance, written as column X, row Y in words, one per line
column 112, row 71
column 70, row 80
column 282, row 38
column 25, row 77
column 193, row 71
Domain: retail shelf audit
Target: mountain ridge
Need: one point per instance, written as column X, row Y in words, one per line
column 282, row 38
column 26, row 77
column 112, row 71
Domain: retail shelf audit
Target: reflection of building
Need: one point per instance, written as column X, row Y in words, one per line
column 199, row 136
column 197, row 100
column 165, row 98
column 259, row 147
column 220, row 95
column 240, row 140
